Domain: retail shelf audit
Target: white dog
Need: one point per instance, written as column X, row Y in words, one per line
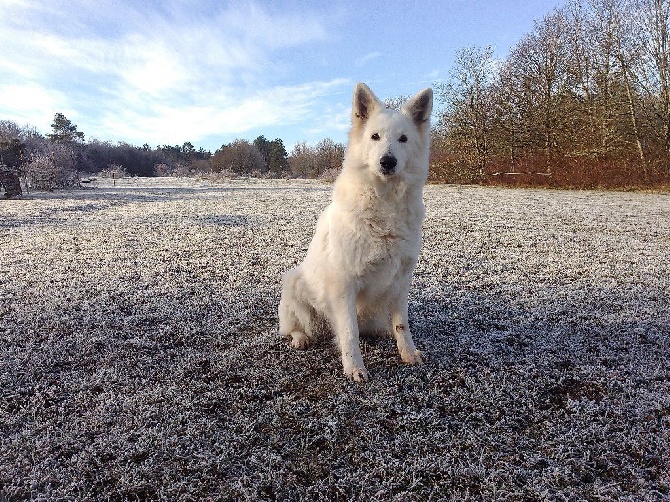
column 358, row 268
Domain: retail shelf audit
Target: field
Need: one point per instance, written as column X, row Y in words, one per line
column 139, row 358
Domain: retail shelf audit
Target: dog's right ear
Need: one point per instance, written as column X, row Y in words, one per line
column 365, row 102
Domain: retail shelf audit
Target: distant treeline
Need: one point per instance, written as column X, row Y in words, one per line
column 59, row 158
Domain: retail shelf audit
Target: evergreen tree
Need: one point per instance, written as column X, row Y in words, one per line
column 64, row 131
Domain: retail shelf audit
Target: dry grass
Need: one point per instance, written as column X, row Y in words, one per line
column 138, row 357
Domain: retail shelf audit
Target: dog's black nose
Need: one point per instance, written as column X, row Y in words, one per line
column 388, row 163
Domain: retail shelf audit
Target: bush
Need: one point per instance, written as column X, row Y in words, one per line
column 114, row 171
column 52, row 171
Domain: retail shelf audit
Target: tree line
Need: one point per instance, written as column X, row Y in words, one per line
column 57, row 159
column 582, row 100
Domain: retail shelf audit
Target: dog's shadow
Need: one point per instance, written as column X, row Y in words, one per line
column 543, row 325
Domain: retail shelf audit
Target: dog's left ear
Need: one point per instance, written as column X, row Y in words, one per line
column 420, row 106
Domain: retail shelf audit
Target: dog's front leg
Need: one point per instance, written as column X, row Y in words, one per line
column 345, row 325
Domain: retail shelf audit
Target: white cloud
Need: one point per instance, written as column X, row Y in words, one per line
column 229, row 113
column 161, row 78
column 32, row 104
column 151, row 67
column 370, row 56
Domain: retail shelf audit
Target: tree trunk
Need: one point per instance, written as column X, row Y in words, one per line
column 633, row 120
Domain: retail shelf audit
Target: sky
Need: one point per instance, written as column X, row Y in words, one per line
column 211, row 71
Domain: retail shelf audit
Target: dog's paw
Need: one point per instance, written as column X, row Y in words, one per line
column 299, row 340
column 357, row 374
column 411, row 357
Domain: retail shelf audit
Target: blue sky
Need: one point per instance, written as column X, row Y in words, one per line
column 166, row 72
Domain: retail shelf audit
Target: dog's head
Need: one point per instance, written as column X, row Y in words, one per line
column 391, row 143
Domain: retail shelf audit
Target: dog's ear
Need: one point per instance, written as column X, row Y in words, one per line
column 365, row 102
column 420, row 106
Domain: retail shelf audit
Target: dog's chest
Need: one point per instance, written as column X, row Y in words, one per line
column 375, row 233
column 384, row 239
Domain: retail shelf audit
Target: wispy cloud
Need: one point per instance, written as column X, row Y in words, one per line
column 230, row 112
column 370, row 56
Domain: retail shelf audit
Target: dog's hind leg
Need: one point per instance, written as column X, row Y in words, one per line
column 302, row 337
column 295, row 315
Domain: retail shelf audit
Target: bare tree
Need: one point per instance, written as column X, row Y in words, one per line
column 541, row 61
column 239, row 157
column 302, row 161
column 468, row 104
column 322, row 160
column 654, row 22
column 627, row 49
column 396, row 102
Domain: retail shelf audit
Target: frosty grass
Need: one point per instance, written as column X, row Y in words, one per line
column 139, row 359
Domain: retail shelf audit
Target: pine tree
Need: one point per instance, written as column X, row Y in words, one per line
column 64, row 131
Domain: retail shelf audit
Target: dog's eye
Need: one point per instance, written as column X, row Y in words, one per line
column 375, row 137
column 403, row 139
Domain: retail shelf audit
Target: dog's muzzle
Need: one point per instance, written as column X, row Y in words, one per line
column 388, row 163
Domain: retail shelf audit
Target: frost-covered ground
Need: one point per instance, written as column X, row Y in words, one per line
column 138, row 357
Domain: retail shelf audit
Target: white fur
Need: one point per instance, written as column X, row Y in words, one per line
column 358, row 269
